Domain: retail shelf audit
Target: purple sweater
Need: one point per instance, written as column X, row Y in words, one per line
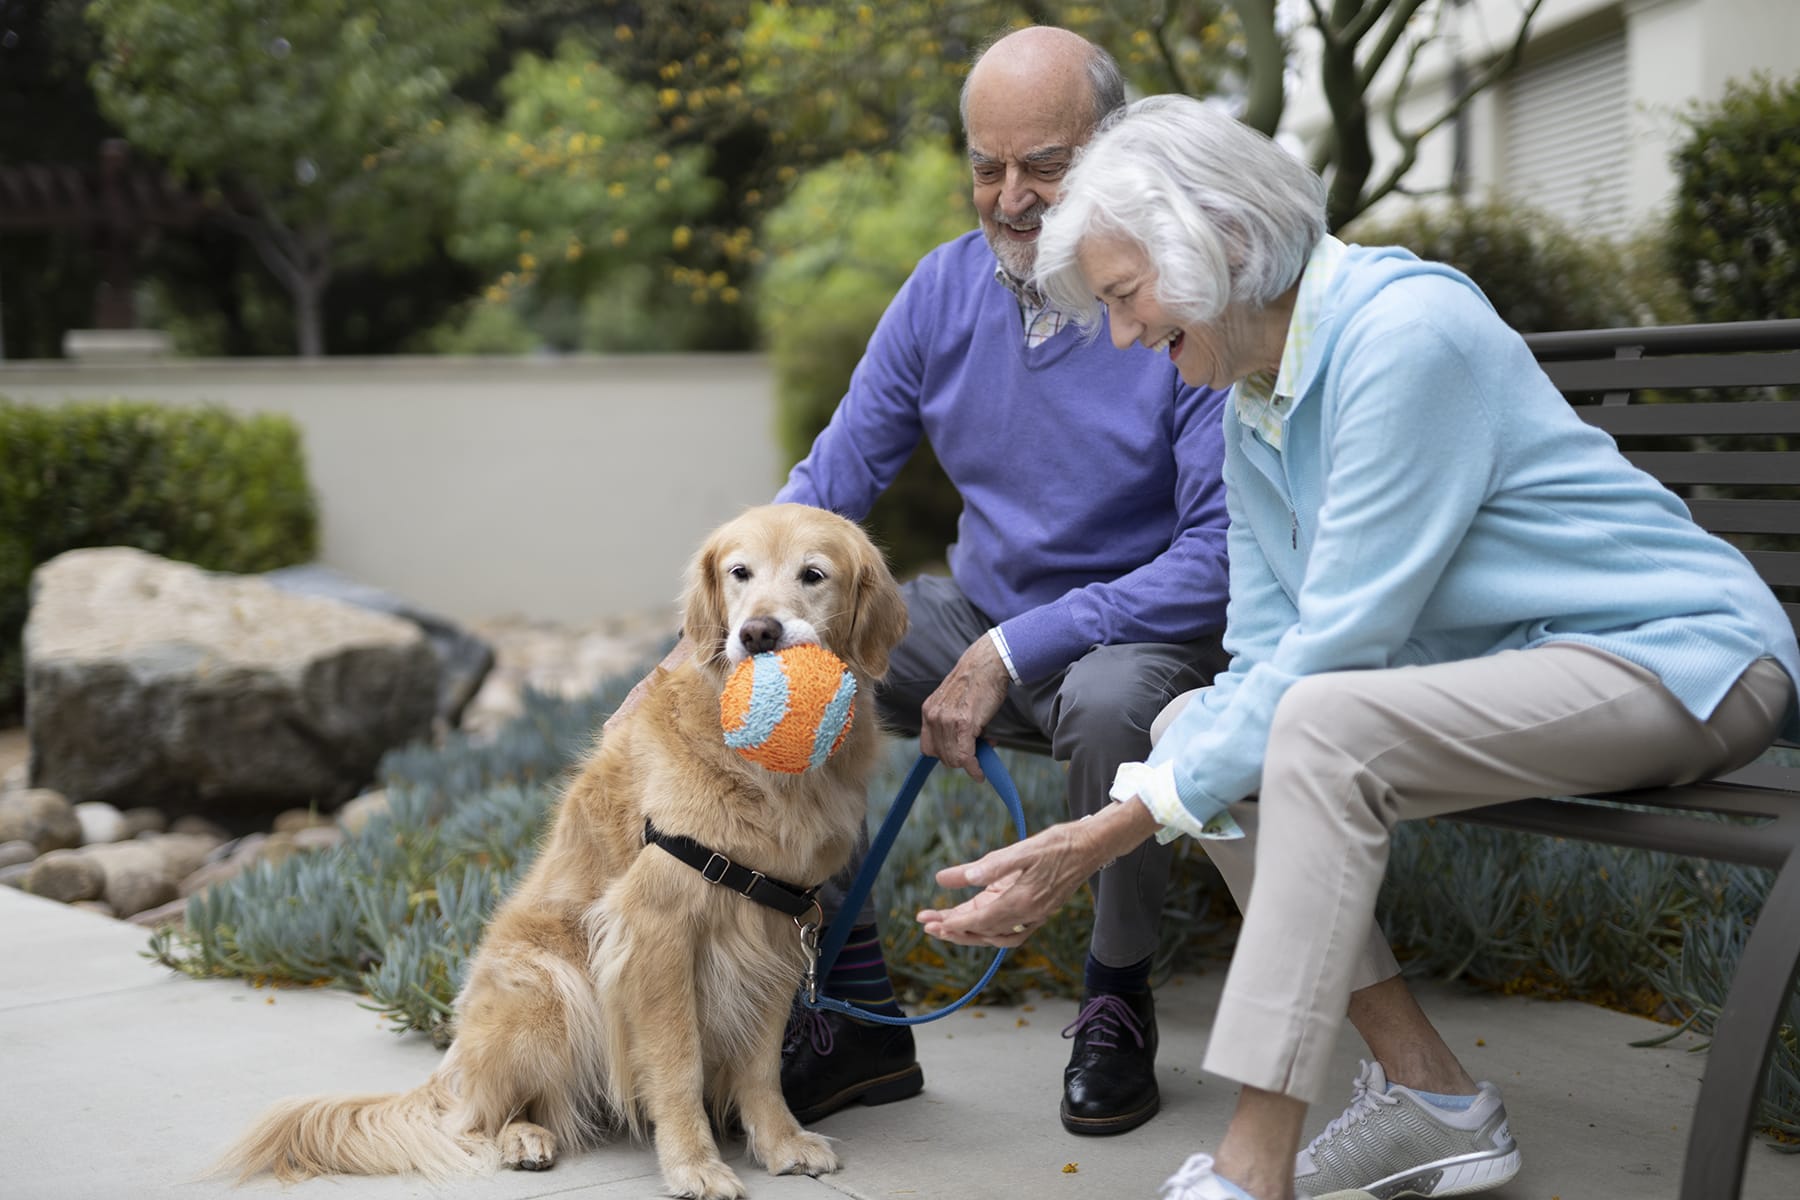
column 1093, row 507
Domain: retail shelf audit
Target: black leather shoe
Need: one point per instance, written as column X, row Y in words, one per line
column 829, row 1062
column 1109, row 1085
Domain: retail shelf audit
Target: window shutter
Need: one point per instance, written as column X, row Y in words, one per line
column 1567, row 136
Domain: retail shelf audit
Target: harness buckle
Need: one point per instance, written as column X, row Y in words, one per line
column 756, row 877
column 724, row 866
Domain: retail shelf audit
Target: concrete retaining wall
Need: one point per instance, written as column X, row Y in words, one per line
column 570, row 489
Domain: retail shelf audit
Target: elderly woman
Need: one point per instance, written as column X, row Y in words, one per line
column 1446, row 591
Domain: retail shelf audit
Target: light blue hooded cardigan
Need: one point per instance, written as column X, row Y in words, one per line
column 1436, row 499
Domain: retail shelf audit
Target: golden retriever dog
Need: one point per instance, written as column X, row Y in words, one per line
column 616, row 986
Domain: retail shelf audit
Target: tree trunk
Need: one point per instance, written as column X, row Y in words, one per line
column 309, row 330
column 1267, row 65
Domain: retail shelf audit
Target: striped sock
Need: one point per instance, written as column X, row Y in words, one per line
column 1133, row 979
column 860, row 974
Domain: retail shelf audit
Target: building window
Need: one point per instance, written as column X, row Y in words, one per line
column 1567, row 136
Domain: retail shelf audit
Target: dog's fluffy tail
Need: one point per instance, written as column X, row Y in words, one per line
column 404, row 1133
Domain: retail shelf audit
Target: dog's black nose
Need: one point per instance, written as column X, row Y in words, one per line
column 760, row 634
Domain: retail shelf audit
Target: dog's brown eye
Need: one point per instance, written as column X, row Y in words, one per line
column 812, row 575
column 740, row 573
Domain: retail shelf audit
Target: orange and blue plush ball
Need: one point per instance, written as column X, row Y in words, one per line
column 788, row 710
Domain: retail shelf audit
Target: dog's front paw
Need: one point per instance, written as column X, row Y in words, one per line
column 704, row 1181
column 801, row 1154
column 527, row 1147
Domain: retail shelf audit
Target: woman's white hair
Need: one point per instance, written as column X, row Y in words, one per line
column 1226, row 217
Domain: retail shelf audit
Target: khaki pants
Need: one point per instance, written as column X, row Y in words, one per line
column 1350, row 753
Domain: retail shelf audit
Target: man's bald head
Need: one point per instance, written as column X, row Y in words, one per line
column 1053, row 64
column 1030, row 102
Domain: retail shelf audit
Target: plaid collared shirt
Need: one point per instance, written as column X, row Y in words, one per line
column 1041, row 321
column 1263, row 403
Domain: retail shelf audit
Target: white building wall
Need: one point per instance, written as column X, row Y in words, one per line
column 1677, row 52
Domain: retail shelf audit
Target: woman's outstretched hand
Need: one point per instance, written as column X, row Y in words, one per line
column 1024, row 883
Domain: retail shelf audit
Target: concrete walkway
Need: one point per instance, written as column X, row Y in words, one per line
column 119, row 1080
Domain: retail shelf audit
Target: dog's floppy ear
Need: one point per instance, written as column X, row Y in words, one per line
column 703, row 606
column 877, row 617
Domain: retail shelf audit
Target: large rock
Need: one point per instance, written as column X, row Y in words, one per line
column 463, row 659
column 150, row 681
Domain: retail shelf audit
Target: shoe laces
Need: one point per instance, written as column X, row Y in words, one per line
column 807, row 1025
column 1192, row 1180
column 1364, row 1099
column 1101, row 1020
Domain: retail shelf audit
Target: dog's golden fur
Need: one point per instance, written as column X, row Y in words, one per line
column 615, row 986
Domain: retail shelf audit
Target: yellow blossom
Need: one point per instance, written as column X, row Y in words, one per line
column 681, row 236
column 369, row 162
column 661, row 162
column 615, row 189
column 717, row 279
column 621, row 236
column 668, row 97
column 662, row 184
column 622, row 32
column 729, row 295
column 573, row 253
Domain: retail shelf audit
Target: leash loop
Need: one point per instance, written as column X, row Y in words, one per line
column 827, row 952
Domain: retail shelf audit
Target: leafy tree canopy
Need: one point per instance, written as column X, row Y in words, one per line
column 318, row 121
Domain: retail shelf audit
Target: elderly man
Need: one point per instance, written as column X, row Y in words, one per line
column 1087, row 584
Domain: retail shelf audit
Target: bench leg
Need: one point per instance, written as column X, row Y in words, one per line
column 1720, row 1138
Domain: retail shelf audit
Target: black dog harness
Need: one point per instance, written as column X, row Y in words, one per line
column 785, row 898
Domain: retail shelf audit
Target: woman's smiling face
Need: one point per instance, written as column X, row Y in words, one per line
column 1119, row 274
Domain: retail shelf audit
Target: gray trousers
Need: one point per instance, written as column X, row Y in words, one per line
column 1352, row 752
column 1095, row 714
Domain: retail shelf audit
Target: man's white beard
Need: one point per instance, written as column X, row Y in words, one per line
column 1017, row 259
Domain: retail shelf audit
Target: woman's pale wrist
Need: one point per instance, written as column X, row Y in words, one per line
column 1120, row 828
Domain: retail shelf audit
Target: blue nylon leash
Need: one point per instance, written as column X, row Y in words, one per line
column 839, row 933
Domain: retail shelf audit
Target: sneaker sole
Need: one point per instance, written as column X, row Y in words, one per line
column 885, row 1089
column 1108, row 1126
column 1446, row 1177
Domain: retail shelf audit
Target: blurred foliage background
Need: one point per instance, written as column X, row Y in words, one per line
column 550, row 176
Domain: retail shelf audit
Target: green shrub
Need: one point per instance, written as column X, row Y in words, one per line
column 1540, row 275
column 202, row 485
column 1734, row 236
column 839, row 247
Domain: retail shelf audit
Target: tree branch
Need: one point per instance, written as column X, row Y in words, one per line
column 1357, row 27
column 1268, row 64
column 1390, row 37
column 1322, row 23
column 1409, row 142
column 1160, row 29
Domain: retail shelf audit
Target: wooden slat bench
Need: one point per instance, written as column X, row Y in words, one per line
column 1720, row 452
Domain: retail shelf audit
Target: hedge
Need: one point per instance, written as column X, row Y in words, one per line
column 201, row 485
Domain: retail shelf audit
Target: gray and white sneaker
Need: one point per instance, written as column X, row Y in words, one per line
column 1391, row 1142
